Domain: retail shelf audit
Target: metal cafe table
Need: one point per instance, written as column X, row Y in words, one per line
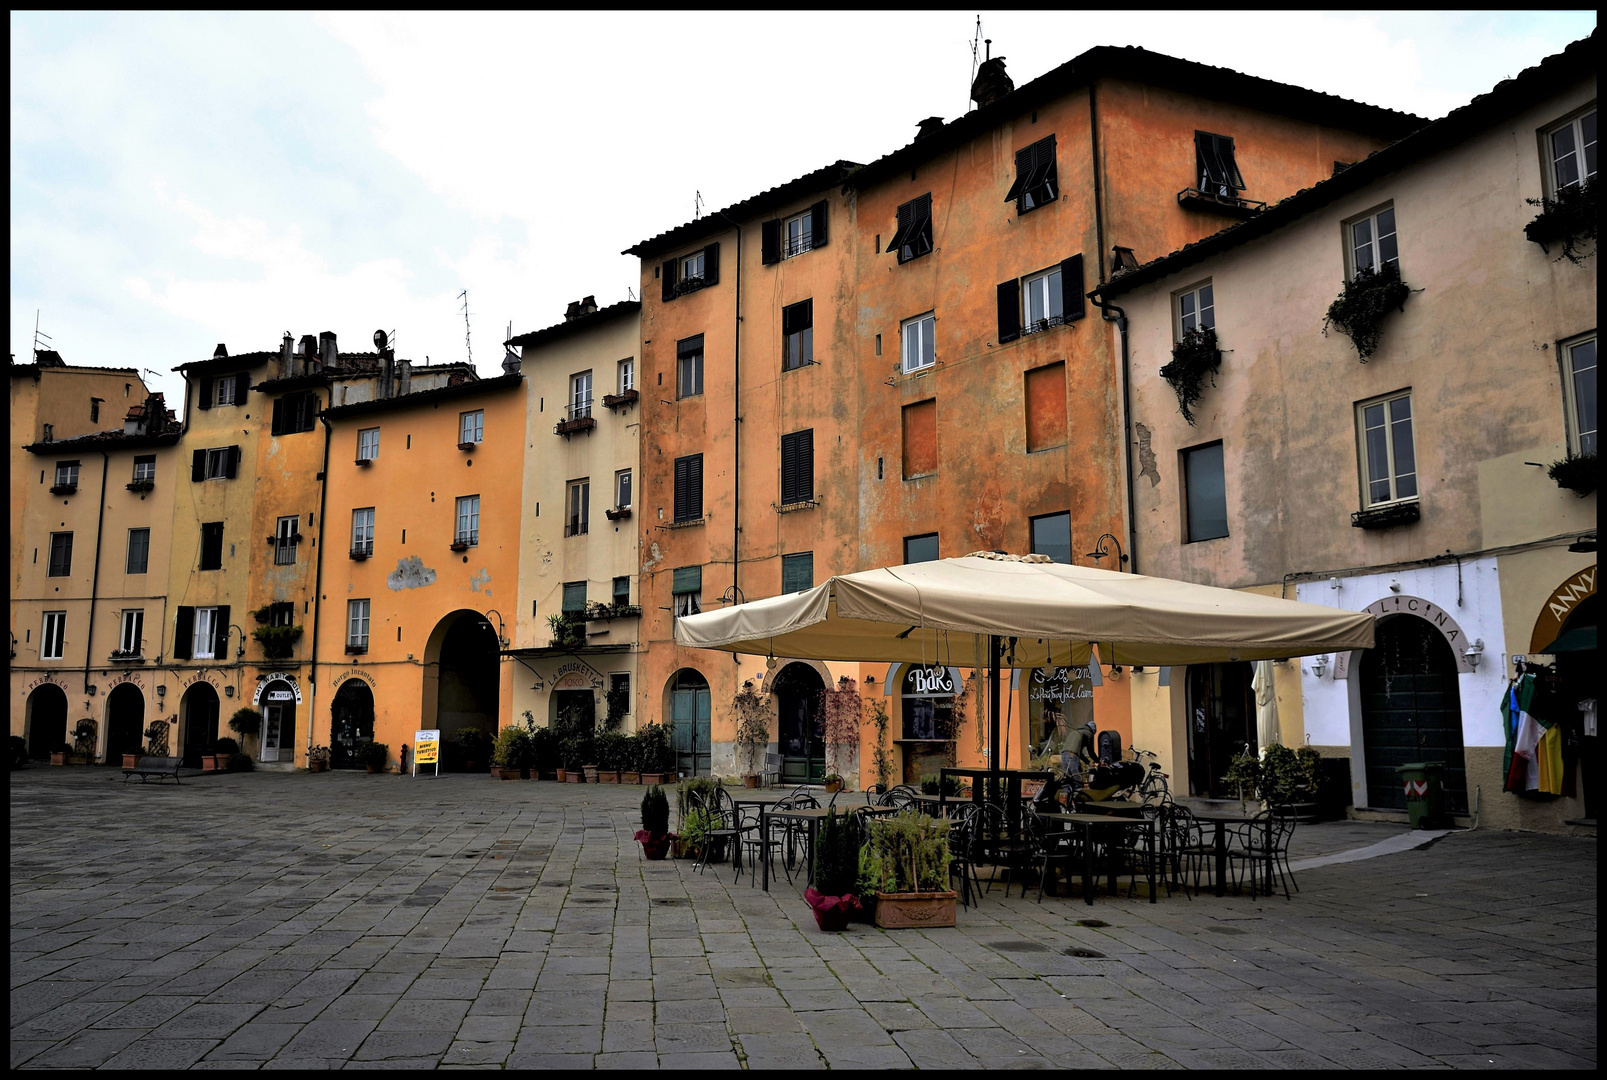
column 812, row 816
column 1221, row 819
column 1109, row 828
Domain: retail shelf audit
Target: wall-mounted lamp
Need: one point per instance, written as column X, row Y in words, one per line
column 1319, row 666
column 240, row 653
column 1583, row 544
column 161, row 690
column 501, row 629
column 1473, row 652
column 228, row 691
column 1100, row 550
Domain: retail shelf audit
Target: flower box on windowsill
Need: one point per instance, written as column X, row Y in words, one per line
column 689, row 285
column 356, row 650
column 1227, row 205
column 567, row 428
column 687, row 524
column 794, row 507
column 63, row 489
column 1385, row 517
column 618, row 513
column 121, row 657
column 363, row 462
column 460, row 545
column 142, row 485
column 359, row 554
column 467, row 445
column 619, row 401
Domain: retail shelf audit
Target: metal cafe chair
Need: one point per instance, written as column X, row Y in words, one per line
column 1049, row 845
column 1262, row 843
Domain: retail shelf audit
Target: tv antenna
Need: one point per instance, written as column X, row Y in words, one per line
column 38, row 334
column 976, row 46
column 464, row 296
column 697, row 205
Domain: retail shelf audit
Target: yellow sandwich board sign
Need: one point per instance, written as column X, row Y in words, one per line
column 427, row 750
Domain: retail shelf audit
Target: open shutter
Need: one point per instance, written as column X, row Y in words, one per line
column 668, row 280
column 817, row 224
column 198, row 466
column 278, row 427
column 899, row 234
column 206, row 395
column 1071, row 288
column 789, row 469
column 680, row 489
column 711, row 264
column 220, row 633
column 770, row 242
column 309, row 413
column 184, row 633
column 921, row 223
column 1009, row 310
column 694, row 486
column 1023, row 170
column 1230, row 167
column 806, row 465
column 233, row 468
column 242, row 384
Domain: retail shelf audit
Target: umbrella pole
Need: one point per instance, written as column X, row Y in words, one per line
column 994, row 649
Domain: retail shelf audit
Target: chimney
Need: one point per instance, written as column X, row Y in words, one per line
column 328, row 355
column 588, row 306
column 306, row 355
column 286, row 350
column 405, row 372
column 929, row 126
column 572, row 312
column 991, row 83
column 220, row 352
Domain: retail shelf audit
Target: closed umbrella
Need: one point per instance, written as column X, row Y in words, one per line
column 1266, row 706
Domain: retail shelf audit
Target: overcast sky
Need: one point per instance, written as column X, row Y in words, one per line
column 179, row 180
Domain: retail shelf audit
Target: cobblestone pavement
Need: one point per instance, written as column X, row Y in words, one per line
column 343, row 920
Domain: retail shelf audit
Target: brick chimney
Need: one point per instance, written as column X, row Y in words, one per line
column 328, row 354
column 991, row 83
column 929, row 126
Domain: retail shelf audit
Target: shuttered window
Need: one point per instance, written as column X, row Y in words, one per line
column 293, row 413
column 1218, row 172
column 688, row 273
column 689, row 366
column 797, row 335
column 689, row 487
column 1037, row 182
column 184, row 633
column 798, row 572
column 913, row 237
column 218, row 463
column 782, row 238
column 574, row 597
column 687, row 579
column 798, row 467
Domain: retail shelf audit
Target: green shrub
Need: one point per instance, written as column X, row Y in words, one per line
column 1193, row 358
column 241, row 763
column 228, row 747
column 512, row 748
column 911, row 852
column 837, row 854
column 1359, row 310
column 655, row 811
column 654, row 749
column 613, row 750
column 1575, row 473
column 373, row 753
column 544, row 749
column 473, row 743
column 244, row 722
column 950, row 785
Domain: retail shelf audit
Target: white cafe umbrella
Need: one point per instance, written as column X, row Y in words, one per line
column 1266, row 706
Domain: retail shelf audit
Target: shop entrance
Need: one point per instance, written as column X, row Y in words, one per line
column 278, row 722
column 351, row 723
column 1221, row 724
column 690, row 725
column 797, row 690
column 46, row 721
column 1411, row 710
column 125, row 722
column 926, row 704
column 199, row 715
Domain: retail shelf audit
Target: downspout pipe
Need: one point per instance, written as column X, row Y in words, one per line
column 318, row 576
column 736, row 424
column 94, row 583
column 1127, row 420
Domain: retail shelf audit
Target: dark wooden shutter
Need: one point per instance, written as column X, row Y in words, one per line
column 1071, row 288
column 184, row 633
column 220, row 633
column 694, row 487
column 308, row 418
column 198, row 466
column 206, row 395
column 1009, row 310
column 789, row 468
column 233, row 467
column 817, row 223
column 921, row 222
column 669, row 280
column 711, row 264
column 681, row 467
column 905, row 212
column 1230, row 167
column 798, row 466
column 770, row 242
column 278, row 427
column 1023, row 170
column 242, row 384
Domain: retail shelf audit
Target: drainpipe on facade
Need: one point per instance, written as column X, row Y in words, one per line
column 736, row 427
column 94, row 582
column 318, row 580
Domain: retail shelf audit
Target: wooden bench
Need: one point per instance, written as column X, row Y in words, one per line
column 159, row 767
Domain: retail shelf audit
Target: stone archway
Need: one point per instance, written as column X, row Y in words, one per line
column 463, row 680
column 1411, row 710
column 198, row 723
column 45, row 720
column 125, row 722
column 690, row 713
column 796, row 688
column 351, row 723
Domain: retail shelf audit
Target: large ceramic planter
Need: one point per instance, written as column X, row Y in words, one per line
column 750, row 780
column 608, row 776
column 58, row 759
column 130, row 761
column 502, row 773
column 317, row 766
column 900, row 911
column 653, row 779
column 572, row 776
column 655, row 847
column 832, row 913
column 591, row 773
column 833, row 787
column 630, row 778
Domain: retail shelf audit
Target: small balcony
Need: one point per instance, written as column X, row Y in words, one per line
column 1387, row 516
column 464, row 543
column 1226, row 205
column 127, row 656
column 360, row 552
column 367, row 463
column 689, row 285
column 618, row 513
column 356, row 650
column 142, row 486
column 63, row 489
column 467, row 447
column 577, row 418
column 619, row 401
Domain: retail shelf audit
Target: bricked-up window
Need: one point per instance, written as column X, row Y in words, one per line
column 783, row 238
column 689, row 487
column 1036, row 180
column 212, row 545
column 1046, row 407
column 920, row 439
column 139, row 550
column 921, row 548
column 798, row 572
column 797, row 335
column 913, row 237
column 689, row 366
column 688, row 273
column 1051, row 536
column 294, row 412
column 798, row 466
column 61, row 555
column 1205, row 493
column 1218, row 172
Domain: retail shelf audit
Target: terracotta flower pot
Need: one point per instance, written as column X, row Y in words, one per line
column 130, row 761
column 374, row 769
column 316, row 765
column 58, row 759
column 608, row 776
column 832, row 913
column 750, row 780
column 503, row 773
column 833, row 786
column 655, row 847
column 573, row 776
column 591, row 773
column 897, row 911
column 653, row 779
column 630, row 778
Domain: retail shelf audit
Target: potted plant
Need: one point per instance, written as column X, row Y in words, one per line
column 841, row 713
column 212, row 760
column 318, row 759
column 612, row 755
column 949, row 785
column 691, row 794
column 241, row 763
column 1193, row 358
column 697, row 829
column 475, row 746
column 657, row 756
column 1244, row 776
column 630, row 759
column 912, row 859
column 278, row 642
column 375, row 755
column 655, row 836
column 1568, row 218
column 245, row 722
column 156, row 738
column 574, row 749
column 833, row 782
column 131, row 760
column 59, row 752
column 832, row 897
column 1359, row 310
column 509, row 752
column 753, row 732
column 1575, row 473
column 618, row 700
column 544, row 753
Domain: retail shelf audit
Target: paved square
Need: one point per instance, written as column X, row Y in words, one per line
column 344, row 920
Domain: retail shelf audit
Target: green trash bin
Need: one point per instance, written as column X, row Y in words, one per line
column 1425, row 793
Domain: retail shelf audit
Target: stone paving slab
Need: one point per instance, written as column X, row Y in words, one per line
column 381, row 922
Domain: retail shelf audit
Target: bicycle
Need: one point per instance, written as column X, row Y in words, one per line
column 1155, row 787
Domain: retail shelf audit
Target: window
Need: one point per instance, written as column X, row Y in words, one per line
column 688, row 273
column 798, row 572
column 797, row 335
column 1580, row 392
column 692, row 267
column 1205, row 493
column 1051, row 536
column 468, row 529
column 1042, row 301
column 139, row 550
column 205, row 644
column 471, row 426
column 293, row 413
column 920, row 438
column 1218, row 172
column 225, row 389
column 50, row 639
column 368, row 444
column 1572, row 149
column 217, row 463
column 689, row 487
column 920, row 548
column 622, row 592
column 580, row 395
column 61, row 554
column 357, row 614
column 1389, row 461
column 619, row 687
column 363, row 531
column 281, row 613
column 67, row 474
column 1046, row 299
column 686, row 587
column 1196, row 310
column 579, row 521
column 689, row 367
column 919, row 349
column 212, row 544
column 94, row 409
column 1372, row 241
column 622, row 488
column 914, row 236
column 145, row 468
column 627, row 375
column 574, row 596
column 1036, row 180
column 285, row 537
column 782, row 238
column 798, row 467
column 133, row 632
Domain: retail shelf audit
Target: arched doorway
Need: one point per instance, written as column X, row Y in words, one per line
column 125, row 722
column 466, row 662
column 278, row 722
column 1221, row 722
column 797, row 690
column 1411, row 710
column 351, row 723
column 46, row 720
column 689, row 723
column 574, row 706
column 926, row 708
column 198, row 714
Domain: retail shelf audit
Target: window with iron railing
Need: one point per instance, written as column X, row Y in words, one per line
column 579, row 523
column 580, row 395
column 468, row 520
column 363, row 531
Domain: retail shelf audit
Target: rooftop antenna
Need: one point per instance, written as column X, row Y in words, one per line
column 38, row 333
column 697, row 205
column 464, row 296
column 630, row 293
column 974, row 49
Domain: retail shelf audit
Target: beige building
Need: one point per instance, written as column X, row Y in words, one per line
column 1410, row 482
column 578, row 626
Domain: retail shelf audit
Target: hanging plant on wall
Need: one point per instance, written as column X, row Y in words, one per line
column 883, row 758
column 753, row 727
column 1193, row 358
column 1362, row 304
column 840, row 718
column 1568, row 219
column 278, row 642
column 1575, row 473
